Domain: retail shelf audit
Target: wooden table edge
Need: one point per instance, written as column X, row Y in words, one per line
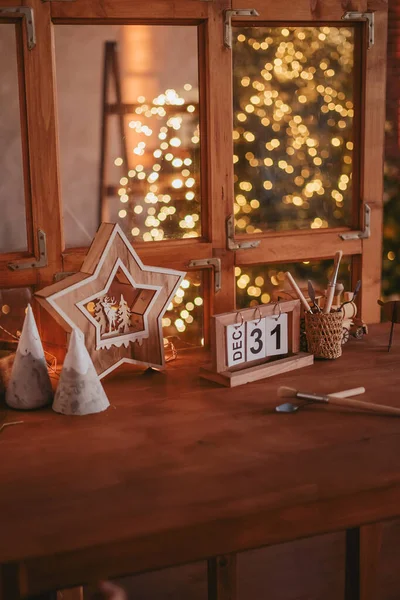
column 200, row 542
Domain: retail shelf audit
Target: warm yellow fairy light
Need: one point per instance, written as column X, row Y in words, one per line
column 295, row 137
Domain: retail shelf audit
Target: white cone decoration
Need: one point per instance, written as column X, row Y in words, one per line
column 29, row 386
column 79, row 390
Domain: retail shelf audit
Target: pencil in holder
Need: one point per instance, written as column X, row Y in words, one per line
column 324, row 334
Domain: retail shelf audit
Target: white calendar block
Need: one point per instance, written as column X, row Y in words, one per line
column 276, row 330
column 236, row 344
column 256, row 346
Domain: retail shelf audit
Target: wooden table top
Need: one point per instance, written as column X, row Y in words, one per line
column 178, row 468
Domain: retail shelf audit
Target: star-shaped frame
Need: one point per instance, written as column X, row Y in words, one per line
column 125, row 338
column 111, row 258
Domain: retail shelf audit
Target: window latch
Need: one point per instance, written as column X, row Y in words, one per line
column 360, row 235
column 233, row 244
column 27, row 14
column 215, row 263
column 228, row 14
column 33, row 263
column 369, row 17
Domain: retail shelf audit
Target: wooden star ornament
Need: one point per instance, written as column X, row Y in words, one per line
column 116, row 301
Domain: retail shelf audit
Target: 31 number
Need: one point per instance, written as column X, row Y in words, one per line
column 277, row 330
column 257, row 335
column 255, row 339
column 277, row 335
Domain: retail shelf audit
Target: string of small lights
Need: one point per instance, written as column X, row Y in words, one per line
column 160, row 195
column 162, row 187
column 293, row 127
column 293, row 146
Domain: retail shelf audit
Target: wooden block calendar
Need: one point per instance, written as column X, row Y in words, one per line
column 255, row 343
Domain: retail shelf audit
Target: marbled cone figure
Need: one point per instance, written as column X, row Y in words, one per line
column 29, row 386
column 79, row 390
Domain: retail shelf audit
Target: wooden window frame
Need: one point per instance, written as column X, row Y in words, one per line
column 216, row 113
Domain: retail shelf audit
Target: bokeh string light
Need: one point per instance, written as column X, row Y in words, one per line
column 261, row 284
column 293, row 154
column 160, row 188
column 293, row 127
column 160, row 195
column 293, row 143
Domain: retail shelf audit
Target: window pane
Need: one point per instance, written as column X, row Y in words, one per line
column 152, row 167
column 293, row 127
column 259, row 284
column 183, row 321
column 12, row 198
column 13, row 303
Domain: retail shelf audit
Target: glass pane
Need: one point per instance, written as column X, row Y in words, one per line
column 183, row 321
column 259, row 284
column 293, row 127
column 152, row 166
column 12, row 198
column 13, row 303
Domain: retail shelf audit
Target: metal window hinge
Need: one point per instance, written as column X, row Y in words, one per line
column 210, row 262
column 26, row 13
column 360, row 235
column 233, row 244
column 363, row 16
column 33, row 264
column 228, row 14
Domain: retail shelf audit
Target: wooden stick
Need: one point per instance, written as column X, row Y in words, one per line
column 332, row 284
column 394, row 316
column 362, row 405
column 298, row 292
column 348, row 393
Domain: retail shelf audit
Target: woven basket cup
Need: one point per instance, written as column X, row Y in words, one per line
column 324, row 334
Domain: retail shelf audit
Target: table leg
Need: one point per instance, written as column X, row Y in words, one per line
column 9, row 582
column 362, row 557
column 222, row 577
